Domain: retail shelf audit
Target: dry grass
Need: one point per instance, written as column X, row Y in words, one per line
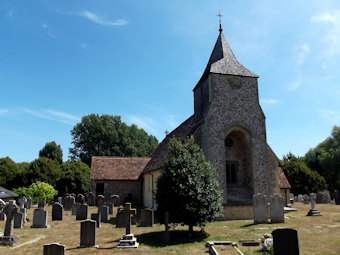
column 317, row 235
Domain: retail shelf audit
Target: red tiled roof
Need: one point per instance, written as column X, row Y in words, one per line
column 117, row 168
column 284, row 183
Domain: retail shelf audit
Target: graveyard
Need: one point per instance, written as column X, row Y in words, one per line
column 316, row 235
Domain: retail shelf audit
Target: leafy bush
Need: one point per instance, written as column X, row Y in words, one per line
column 37, row 191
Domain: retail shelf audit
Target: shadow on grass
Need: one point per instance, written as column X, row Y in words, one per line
column 156, row 239
column 249, row 225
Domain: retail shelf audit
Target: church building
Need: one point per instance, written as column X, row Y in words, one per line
column 229, row 125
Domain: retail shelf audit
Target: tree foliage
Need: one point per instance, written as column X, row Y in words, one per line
column 37, row 191
column 52, row 151
column 302, row 179
column 44, row 170
column 188, row 187
column 75, row 178
column 8, row 171
column 107, row 135
column 325, row 159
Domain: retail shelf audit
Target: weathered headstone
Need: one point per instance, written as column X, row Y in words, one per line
column 40, row 218
column 285, row 241
column 260, row 209
column 82, row 211
column 28, row 203
column 68, row 203
column 306, row 199
column 318, row 198
column 100, row 200
column 54, row 249
column 291, row 198
column 10, row 210
column 116, row 200
column 128, row 240
column 90, row 199
column 296, row 199
column 97, row 218
column 326, row 197
column 41, row 204
column 147, row 218
column 18, row 220
column 80, row 199
column 104, row 212
column 22, row 201
column 57, row 211
column 276, row 209
column 300, row 198
column 73, row 195
column 74, row 208
column 313, row 211
column 111, row 206
column 337, row 197
column 88, row 234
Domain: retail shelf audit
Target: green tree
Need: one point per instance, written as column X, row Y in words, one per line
column 325, row 159
column 52, row 151
column 188, row 187
column 107, row 135
column 8, row 171
column 44, row 170
column 37, row 191
column 75, row 178
column 302, row 179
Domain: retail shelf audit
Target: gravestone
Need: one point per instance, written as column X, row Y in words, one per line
column 111, row 206
column 285, row 241
column 40, row 218
column 57, row 212
column 100, row 200
column 88, row 234
column 296, row 199
column 80, row 199
column 291, row 198
column 128, row 240
column 10, row 210
column 22, row 201
column 276, row 209
column 337, row 197
column 60, row 200
column 73, row 195
column 147, row 218
column 260, row 209
column 318, row 198
column 2, row 216
column 69, row 202
column 96, row 217
column 82, row 211
column 313, row 211
column 90, row 199
column 18, row 220
column 326, row 197
column 41, row 204
column 28, row 203
column 306, row 199
column 300, row 198
column 74, row 209
column 121, row 218
column 54, row 249
column 116, row 200
column 23, row 210
column 104, row 212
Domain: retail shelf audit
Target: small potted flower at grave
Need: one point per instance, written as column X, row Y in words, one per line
column 267, row 243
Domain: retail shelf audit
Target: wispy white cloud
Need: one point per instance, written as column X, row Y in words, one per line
column 53, row 36
column 294, row 85
column 330, row 115
column 270, row 101
column 142, row 122
column 3, row 111
column 52, row 115
column 101, row 20
column 303, row 51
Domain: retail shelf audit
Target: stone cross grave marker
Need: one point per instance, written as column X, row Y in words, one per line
column 285, row 241
column 147, row 218
column 276, row 209
column 57, row 211
column 23, row 210
column 90, row 199
column 22, row 201
column 54, row 249
column 313, row 211
column 82, row 211
column 128, row 240
column 129, row 212
column 103, row 211
column 260, row 209
column 18, row 220
column 10, row 210
column 88, row 234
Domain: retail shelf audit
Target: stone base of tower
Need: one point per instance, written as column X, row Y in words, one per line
column 242, row 212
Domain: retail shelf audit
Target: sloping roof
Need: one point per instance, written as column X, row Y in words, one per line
column 223, row 61
column 160, row 155
column 117, row 168
column 284, row 183
column 5, row 193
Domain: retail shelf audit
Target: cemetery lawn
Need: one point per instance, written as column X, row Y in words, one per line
column 317, row 235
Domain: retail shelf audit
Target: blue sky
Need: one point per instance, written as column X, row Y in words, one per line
column 61, row 60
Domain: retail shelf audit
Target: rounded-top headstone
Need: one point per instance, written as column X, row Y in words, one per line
column 285, row 241
column 100, row 201
column 41, row 204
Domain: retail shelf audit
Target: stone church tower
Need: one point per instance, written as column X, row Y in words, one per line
column 232, row 127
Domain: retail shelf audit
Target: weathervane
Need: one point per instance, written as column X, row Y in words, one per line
column 219, row 15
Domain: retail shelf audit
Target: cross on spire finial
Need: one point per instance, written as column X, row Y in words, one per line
column 219, row 15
